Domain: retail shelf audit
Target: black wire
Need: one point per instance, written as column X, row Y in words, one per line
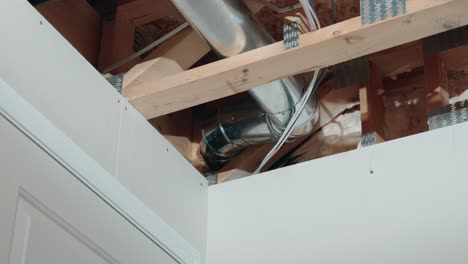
column 333, row 10
column 314, row 88
column 286, row 158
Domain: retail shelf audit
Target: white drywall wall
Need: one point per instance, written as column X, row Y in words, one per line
column 48, row 216
column 51, row 75
column 92, row 175
column 155, row 171
column 47, row 71
column 412, row 208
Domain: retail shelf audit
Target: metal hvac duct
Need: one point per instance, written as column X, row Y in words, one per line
column 229, row 29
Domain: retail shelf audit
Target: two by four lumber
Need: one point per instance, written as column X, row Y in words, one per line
column 334, row 44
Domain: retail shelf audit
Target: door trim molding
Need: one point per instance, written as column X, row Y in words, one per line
column 72, row 157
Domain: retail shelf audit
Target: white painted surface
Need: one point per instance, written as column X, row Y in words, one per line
column 460, row 134
column 46, row 70
column 52, row 140
column 413, row 208
column 53, row 77
column 48, row 216
column 154, row 170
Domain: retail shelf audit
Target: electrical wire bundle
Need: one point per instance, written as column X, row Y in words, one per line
column 313, row 24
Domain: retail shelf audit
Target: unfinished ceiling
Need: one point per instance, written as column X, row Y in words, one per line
column 381, row 96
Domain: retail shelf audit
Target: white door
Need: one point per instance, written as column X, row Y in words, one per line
column 48, row 216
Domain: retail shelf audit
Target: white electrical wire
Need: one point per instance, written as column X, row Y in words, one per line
column 309, row 13
column 292, row 122
column 314, row 24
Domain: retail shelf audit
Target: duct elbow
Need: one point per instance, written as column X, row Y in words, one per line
column 230, row 29
column 238, row 126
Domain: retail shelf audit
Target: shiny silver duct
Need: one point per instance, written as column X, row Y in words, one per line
column 229, row 29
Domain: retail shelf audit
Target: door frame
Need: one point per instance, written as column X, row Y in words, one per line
column 87, row 170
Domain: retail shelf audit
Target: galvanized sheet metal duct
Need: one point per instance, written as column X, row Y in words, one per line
column 229, row 29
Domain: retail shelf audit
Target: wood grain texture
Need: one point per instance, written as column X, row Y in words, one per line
column 436, row 82
column 334, row 44
column 405, row 105
column 455, row 59
column 398, row 60
column 372, row 105
column 118, row 35
column 185, row 48
column 78, row 23
column 149, row 71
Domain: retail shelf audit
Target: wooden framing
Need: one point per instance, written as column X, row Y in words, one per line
column 78, row 23
column 398, row 60
column 395, row 74
column 404, row 78
column 343, row 41
column 118, row 36
column 436, row 81
column 332, row 102
column 372, row 105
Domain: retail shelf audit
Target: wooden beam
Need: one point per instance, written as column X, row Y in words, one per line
column 436, row 82
column 149, row 71
column 328, row 46
column 405, row 105
column 118, row 35
column 453, row 74
column 458, row 85
column 117, row 42
column 79, row 24
column 398, row 60
column 174, row 56
column 253, row 5
column 455, row 59
column 185, row 48
column 273, row 21
column 372, row 104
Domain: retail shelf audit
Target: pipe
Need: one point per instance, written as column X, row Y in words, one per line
column 229, row 29
column 145, row 49
column 280, row 10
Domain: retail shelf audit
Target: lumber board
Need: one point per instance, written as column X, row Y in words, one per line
column 78, row 23
column 371, row 101
column 334, row 44
column 118, row 35
column 117, row 42
column 339, row 133
column 253, row 5
column 405, row 104
column 149, row 70
column 185, row 48
column 455, row 59
column 455, row 62
column 399, row 60
column 436, row 82
column 458, row 85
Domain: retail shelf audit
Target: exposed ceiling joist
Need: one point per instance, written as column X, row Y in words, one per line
column 334, row 44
